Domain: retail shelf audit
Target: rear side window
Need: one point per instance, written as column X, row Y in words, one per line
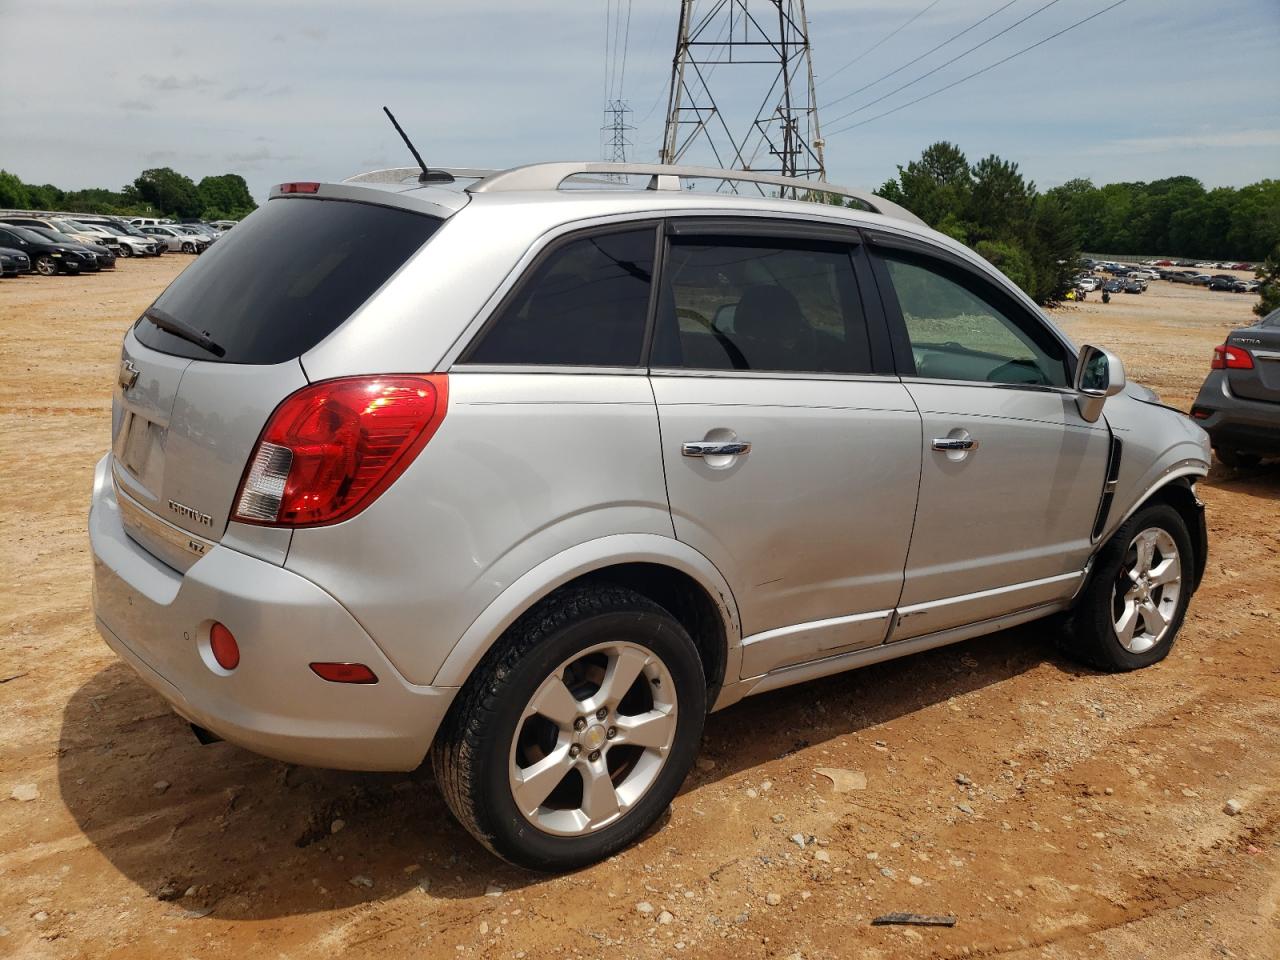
column 291, row 273
column 755, row 304
column 583, row 304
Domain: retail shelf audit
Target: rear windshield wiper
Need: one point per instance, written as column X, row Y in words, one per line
column 171, row 324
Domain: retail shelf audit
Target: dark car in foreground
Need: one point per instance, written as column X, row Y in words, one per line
column 1239, row 404
column 13, row 262
column 98, row 256
column 46, row 256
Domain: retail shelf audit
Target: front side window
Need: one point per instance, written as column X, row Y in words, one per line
column 760, row 304
column 959, row 330
column 586, row 303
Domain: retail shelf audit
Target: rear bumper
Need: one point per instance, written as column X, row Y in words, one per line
column 1235, row 423
column 157, row 620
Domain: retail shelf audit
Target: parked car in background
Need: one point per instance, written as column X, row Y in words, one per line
column 1200, row 279
column 149, row 221
column 87, row 233
column 72, row 232
column 154, row 246
column 101, row 257
column 1135, row 285
column 1241, row 266
column 134, row 246
column 177, row 239
column 198, row 231
column 13, row 262
column 1113, row 286
column 544, row 557
column 223, row 225
column 1239, row 403
column 1222, row 283
column 47, row 257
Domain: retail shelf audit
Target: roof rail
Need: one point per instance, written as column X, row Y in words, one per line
column 403, row 174
column 549, row 176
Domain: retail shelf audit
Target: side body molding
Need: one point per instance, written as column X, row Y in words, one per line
column 581, row 559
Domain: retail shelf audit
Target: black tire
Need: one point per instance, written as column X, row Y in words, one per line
column 1235, row 459
column 1089, row 633
column 472, row 750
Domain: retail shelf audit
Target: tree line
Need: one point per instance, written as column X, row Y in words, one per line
column 1036, row 237
column 159, row 192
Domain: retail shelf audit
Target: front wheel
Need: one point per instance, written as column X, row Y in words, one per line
column 575, row 732
column 46, row 266
column 126, row 250
column 188, row 248
column 1130, row 612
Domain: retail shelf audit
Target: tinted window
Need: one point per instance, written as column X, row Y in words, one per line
column 761, row 305
column 586, row 303
column 960, row 329
column 288, row 278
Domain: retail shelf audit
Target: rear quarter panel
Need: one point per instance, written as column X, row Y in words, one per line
column 524, row 467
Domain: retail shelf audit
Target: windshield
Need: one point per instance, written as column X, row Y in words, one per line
column 286, row 278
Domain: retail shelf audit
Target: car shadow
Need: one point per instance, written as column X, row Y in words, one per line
column 1262, row 481
column 219, row 830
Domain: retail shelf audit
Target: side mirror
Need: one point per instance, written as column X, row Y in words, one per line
column 1099, row 374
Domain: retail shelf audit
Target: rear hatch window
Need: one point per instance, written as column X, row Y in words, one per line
column 285, row 278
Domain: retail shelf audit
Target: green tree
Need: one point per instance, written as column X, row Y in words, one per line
column 999, row 199
column 169, row 191
column 1269, row 292
column 13, row 192
column 225, row 197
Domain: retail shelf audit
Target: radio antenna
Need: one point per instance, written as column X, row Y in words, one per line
column 426, row 176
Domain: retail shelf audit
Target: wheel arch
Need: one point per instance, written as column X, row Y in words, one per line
column 1177, row 489
column 669, row 572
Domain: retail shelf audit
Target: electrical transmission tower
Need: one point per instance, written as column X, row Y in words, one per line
column 767, row 116
column 615, row 130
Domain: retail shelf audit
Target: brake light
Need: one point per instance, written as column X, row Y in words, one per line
column 1230, row 357
column 332, row 448
column 305, row 186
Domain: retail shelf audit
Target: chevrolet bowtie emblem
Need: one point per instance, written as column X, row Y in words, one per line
column 128, row 374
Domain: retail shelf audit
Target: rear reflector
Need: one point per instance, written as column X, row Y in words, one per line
column 300, row 187
column 332, row 448
column 1200, row 413
column 224, row 647
column 1230, row 357
column 344, row 672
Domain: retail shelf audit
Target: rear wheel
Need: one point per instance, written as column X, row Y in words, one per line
column 1235, row 459
column 1131, row 610
column 574, row 734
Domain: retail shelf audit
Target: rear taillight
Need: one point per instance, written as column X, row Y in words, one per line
column 1230, row 357
column 330, row 449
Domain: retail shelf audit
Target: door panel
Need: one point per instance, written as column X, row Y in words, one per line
column 811, row 526
column 1012, row 514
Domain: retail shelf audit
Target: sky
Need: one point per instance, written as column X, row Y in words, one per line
column 93, row 93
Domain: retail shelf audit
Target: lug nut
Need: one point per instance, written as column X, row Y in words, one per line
column 593, row 756
column 580, row 724
column 574, row 750
column 611, row 732
column 601, row 713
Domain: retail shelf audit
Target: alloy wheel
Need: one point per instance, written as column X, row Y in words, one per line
column 593, row 739
column 1144, row 599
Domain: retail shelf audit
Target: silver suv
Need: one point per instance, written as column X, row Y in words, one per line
column 532, row 475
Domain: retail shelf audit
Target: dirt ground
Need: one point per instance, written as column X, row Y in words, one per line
column 1054, row 811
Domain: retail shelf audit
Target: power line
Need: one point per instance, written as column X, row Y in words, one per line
column 958, row 56
column 955, row 83
column 881, row 41
column 931, row 50
column 626, row 42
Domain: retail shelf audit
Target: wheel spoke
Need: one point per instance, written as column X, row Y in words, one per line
column 1146, row 547
column 1127, row 622
column 599, row 798
column 1167, row 571
column 652, row 730
column 554, row 701
column 623, row 669
column 531, row 785
column 1152, row 619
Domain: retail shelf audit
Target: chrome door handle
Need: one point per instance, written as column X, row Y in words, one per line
column 715, row 448
column 955, row 443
